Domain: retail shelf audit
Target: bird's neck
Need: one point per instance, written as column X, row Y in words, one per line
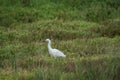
column 49, row 45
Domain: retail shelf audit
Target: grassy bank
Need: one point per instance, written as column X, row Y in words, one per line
column 88, row 32
column 90, row 54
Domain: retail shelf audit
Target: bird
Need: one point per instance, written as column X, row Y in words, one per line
column 54, row 52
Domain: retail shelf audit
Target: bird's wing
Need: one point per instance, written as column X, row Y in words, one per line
column 58, row 53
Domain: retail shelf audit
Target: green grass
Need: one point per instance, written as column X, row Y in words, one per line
column 24, row 56
column 88, row 32
column 27, row 11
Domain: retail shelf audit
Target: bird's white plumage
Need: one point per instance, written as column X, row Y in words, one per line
column 54, row 52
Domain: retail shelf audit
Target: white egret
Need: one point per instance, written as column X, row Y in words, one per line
column 54, row 52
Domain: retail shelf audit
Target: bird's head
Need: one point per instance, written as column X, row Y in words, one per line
column 47, row 40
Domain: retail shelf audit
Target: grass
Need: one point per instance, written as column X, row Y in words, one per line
column 86, row 31
column 27, row 11
column 24, row 56
column 69, row 68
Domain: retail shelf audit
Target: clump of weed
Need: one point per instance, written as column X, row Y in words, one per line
column 70, row 67
column 108, row 29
